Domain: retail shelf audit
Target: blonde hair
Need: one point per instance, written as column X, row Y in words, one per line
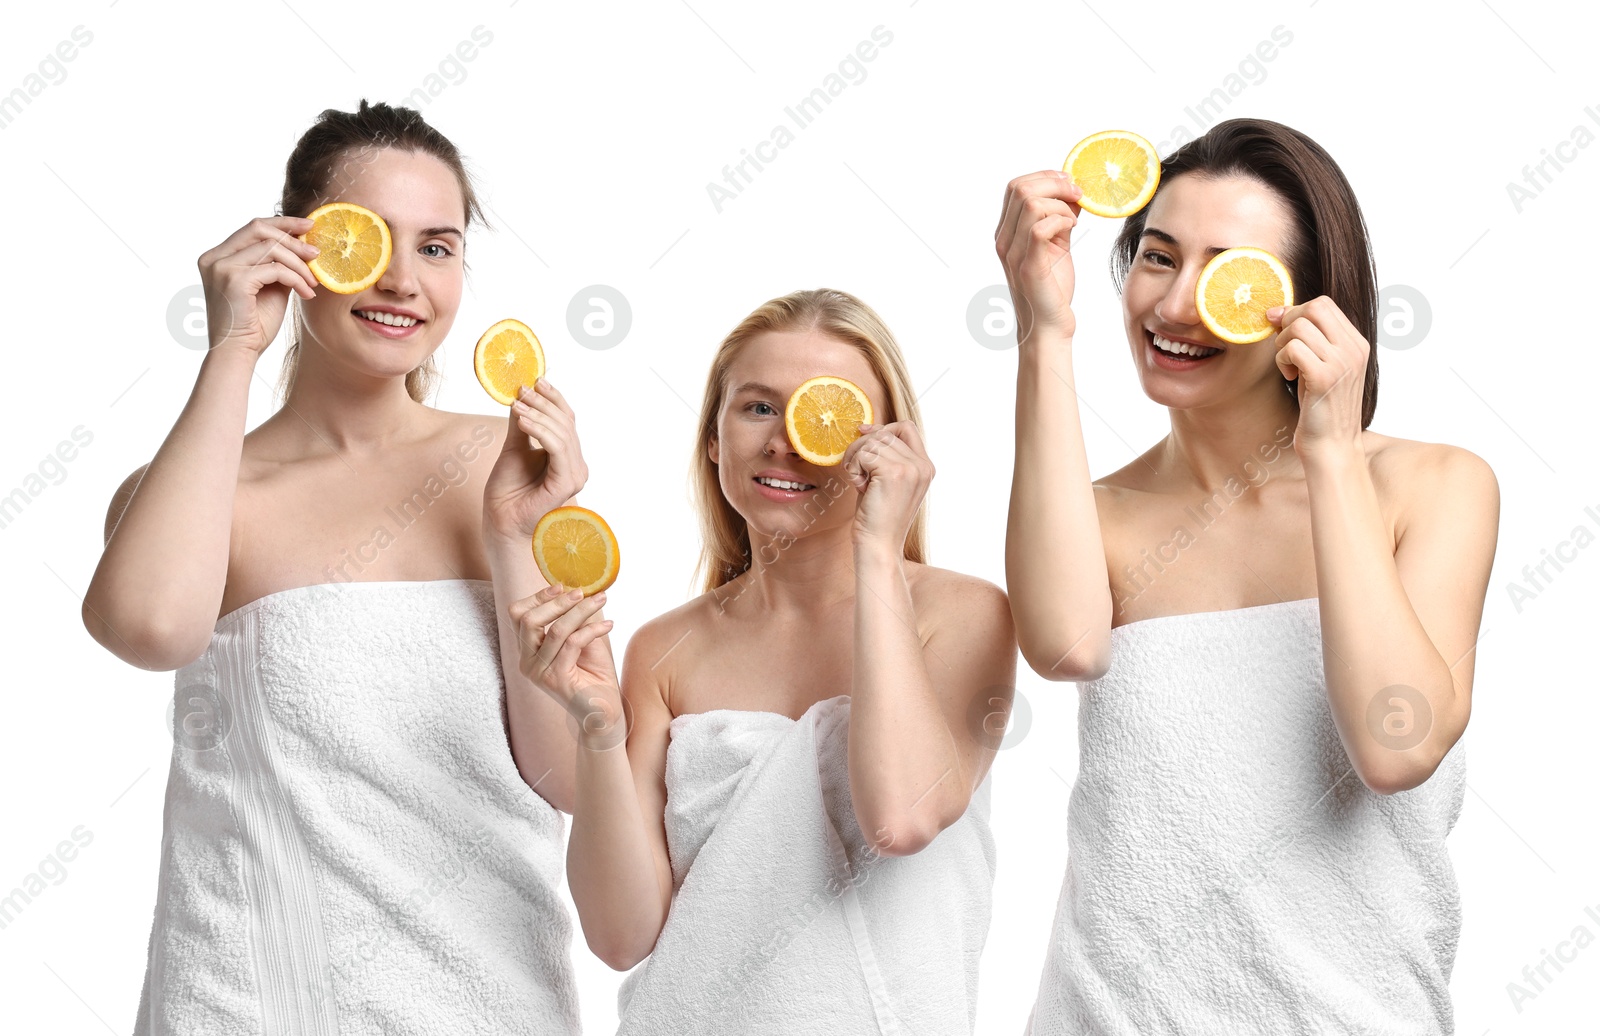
column 724, row 536
column 321, row 164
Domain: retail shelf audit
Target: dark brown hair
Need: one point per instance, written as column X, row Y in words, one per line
column 1329, row 252
column 328, row 157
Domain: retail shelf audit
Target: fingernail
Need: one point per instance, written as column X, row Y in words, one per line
column 576, row 594
column 1275, row 312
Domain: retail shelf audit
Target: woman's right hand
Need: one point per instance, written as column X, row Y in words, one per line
column 248, row 278
column 562, row 652
column 1034, row 241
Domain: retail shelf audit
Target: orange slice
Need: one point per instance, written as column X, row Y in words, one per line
column 356, row 247
column 575, row 547
column 1117, row 170
column 508, row 357
column 824, row 416
column 1236, row 289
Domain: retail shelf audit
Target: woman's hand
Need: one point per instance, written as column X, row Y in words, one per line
column 563, row 653
column 890, row 467
column 1034, row 241
column 530, row 479
column 1323, row 351
column 248, row 278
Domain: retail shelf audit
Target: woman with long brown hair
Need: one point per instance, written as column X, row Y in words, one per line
column 783, row 800
column 349, row 845
column 1271, row 614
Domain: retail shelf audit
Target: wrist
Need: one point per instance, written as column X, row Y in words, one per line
column 1332, row 457
column 877, row 553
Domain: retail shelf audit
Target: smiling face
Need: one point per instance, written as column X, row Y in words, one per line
column 751, row 442
column 392, row 327
column 1181, row 364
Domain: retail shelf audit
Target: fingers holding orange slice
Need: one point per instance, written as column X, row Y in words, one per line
column 1117, row 170
column 573, row 546
column 824, row 417
column 508, row 357
column 1235, row 290
column 355, row 247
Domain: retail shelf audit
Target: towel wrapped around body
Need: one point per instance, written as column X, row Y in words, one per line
column 348, row 846
column 1228, row 872
column 785, row 918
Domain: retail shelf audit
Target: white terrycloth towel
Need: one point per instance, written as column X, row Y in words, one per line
column 785, row 921
column 348, row 846
column 1228, row 872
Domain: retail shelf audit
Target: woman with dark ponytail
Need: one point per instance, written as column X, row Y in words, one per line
column 350, row 844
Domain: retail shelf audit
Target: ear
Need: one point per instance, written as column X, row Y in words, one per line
column 711, row 450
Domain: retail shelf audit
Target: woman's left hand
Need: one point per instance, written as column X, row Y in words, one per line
column 530, row 479
column 889, row 466
column 1319, row 347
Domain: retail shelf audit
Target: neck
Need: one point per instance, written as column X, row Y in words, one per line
column 334, row 407
column 1211, row 444
column 805, row 577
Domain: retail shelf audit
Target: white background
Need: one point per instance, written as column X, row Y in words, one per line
column 594, row 132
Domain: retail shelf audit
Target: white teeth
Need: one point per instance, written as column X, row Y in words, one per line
column 1167, row 345
column 778, row 483
column 386, row 318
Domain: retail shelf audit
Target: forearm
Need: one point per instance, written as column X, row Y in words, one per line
column 906, row 779
column 1055, row 559
column 611, row 868
column 157, row 590
column 542, row 735
column 1372, row 638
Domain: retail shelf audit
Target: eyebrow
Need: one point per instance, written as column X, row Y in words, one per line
column 756, row 386
column 1162, row 235
column 436, row 231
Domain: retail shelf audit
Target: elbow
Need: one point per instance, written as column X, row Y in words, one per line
column 903, row 836
column 1402, row 772
column 618, row 954
column 144, row 642
column 1087, row 659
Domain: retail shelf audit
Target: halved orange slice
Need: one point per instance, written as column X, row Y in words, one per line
column 1117, row 170
column 575, row 547
column 507, row 357
column 355, row 243
column 1236, row 289
column 824, row 417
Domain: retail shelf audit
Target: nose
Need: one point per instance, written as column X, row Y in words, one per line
column 400, row 276
column 1177, row 305
column 778, row 442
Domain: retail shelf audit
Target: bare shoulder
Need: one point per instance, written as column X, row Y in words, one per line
column 955, row 598
column 647, row 666
column 471, row 435
column 1429, row 474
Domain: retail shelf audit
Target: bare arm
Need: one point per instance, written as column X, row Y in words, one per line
column 921, row 736
column 1400, row 622
column 1399, row 615
column 617, row 863
column 155, row 595
column 1055, row 558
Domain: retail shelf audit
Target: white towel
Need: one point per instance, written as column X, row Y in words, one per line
column 1227, row 870
column 784, row 920
column 348, row 846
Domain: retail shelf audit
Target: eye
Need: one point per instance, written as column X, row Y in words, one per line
column 1157, row 258
column 442, row 248
column 752, row 407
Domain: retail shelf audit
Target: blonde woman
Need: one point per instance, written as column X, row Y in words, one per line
column 348, row 845
column 796, row 829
